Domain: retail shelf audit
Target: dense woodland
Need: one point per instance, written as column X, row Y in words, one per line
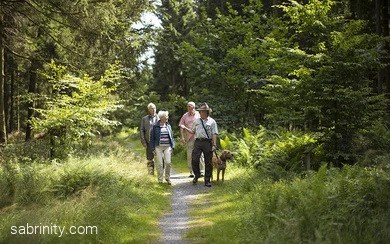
column 72, row 70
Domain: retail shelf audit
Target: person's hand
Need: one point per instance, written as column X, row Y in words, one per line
column 183, row 126
column 183, row 140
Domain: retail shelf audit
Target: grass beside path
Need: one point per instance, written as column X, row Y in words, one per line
column 106, row 197
column 213, row 214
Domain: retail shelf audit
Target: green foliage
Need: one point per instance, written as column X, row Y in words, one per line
column 177, row 20
column 226, row 58
column 225, row 143
column 77, row 107
column 310, row 70
column 278, row 153
column 326, row 84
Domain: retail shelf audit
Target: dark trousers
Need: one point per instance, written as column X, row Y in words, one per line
column 205, row 148
column 149, row 152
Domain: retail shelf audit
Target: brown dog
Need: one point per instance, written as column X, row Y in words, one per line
column 220, row 162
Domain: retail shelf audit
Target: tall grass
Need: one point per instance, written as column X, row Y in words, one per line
column 109, row 190
column 331, row 206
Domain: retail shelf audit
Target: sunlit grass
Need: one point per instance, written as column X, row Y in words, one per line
column 109, row 190
column 213, row 215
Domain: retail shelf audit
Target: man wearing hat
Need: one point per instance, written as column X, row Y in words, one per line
column 188, row 138
column 205, row 131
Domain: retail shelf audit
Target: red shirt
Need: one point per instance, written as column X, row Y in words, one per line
column 188, row 119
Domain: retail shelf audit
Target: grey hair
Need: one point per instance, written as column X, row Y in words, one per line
column 163, row 114
column 191, row 103
column 150, row 105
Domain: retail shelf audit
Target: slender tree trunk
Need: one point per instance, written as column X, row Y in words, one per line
column 276, row 12
column 378, row 25
column 7, row 90
column 31, row 103
column 3, row 128
column 186, row 90
column 12, row 100
column 385, row 24
column 173, row 91
column 359, row 9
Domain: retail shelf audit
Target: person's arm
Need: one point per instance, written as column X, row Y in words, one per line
column 214, row 141
column 214, row 129
column 182, row 130
column 187, row 129
column 152, row 143
column 172, row 139
column 182, row 135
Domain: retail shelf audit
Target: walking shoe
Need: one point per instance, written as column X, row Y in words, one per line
column 169, row 182
column 195, row 180
column 208, row 184
column 191, row 176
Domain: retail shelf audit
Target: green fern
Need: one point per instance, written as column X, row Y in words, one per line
column 225, row 143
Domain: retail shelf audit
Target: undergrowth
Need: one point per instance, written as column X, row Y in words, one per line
column 331, row 206
column 349, row 205
column 268, row 197
column 107, row 192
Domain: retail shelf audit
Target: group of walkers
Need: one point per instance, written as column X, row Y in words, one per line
column 198, row 131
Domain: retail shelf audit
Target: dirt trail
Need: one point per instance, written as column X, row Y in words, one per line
column 174, row 224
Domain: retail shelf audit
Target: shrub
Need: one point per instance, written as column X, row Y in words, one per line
column 277, row 153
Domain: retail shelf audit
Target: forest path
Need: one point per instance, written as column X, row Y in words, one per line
column 174, row 224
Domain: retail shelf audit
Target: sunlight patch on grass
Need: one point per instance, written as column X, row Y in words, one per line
column 213, row 214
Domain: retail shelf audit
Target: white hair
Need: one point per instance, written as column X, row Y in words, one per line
column 163, row 114
column 150, row 105
column 191, row 103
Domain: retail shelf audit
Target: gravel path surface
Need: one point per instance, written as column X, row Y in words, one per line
column 174, row 224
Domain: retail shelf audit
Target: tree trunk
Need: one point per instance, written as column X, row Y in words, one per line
column 385, row 24
column 173, row 91
column 31, row 103
column 378, row 26
column 3, row 129
column 12, row 100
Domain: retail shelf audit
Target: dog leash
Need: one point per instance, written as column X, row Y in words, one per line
column 216, row 153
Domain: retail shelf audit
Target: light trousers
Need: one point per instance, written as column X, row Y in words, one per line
column 163, row 154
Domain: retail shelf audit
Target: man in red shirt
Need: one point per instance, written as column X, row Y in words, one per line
column 187, row 138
